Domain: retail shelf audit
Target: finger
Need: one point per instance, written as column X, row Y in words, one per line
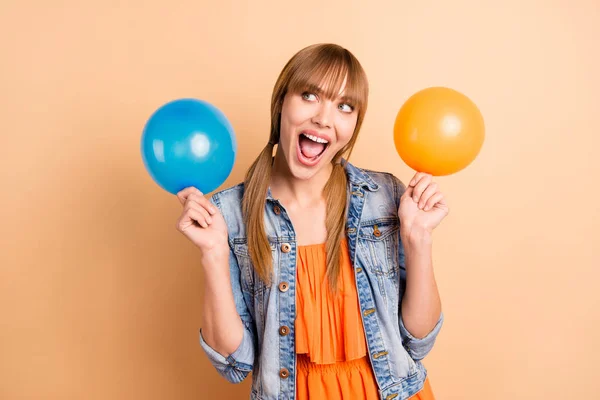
column 183, row 194
column 433, row 200
column 430, row 191
column 200, row 216
column 420, row 187
column 407, row 193
column 192, row 205
column 416, row 178
column 203, row 202
column 189, row 217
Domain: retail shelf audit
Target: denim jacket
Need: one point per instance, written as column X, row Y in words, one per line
column 268, row 312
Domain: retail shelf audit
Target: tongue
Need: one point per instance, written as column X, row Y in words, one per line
column 309, row 148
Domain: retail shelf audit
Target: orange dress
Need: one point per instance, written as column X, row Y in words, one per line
column 332, row 358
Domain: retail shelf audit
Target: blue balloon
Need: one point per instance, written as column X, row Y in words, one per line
column 188, row 142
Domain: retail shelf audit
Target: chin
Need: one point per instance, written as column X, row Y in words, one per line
column 304, row 174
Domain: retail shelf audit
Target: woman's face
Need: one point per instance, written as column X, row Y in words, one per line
column 314, row 129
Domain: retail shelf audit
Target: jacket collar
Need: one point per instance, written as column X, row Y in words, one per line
column 359, row 177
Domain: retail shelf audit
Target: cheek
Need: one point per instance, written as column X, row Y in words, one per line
column 345, row 130
column 293, row 115
column 294, row 111
column 285, row 127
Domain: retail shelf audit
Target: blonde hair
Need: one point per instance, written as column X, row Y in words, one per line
column 323, row 66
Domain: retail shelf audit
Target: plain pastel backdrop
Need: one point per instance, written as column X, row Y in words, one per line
column 99, row 294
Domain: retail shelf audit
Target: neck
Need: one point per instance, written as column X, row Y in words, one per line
column 303, row 192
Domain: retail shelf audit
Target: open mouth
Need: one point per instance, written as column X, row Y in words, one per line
column 311, row 148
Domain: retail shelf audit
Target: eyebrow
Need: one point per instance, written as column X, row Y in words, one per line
column 317, row 90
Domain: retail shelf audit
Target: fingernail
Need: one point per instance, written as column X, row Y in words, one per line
column 209, row 220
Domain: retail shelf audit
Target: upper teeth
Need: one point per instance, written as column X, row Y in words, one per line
column 315, row 139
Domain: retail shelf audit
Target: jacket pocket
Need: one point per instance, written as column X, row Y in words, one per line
column 250, row 280
column 379, row 241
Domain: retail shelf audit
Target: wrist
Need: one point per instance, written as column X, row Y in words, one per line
column 416, row 237
column 215, row 257
column 215, row 272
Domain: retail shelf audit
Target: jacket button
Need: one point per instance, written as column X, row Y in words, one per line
column 284, row 373
column 277, row 210
column 286, row 247
column 376, row 231
column 284, row 286
column 284, row 330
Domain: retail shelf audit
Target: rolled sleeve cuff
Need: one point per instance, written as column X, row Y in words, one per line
column 418, row 348
column 236, row 366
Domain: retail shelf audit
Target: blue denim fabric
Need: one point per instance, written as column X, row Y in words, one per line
column 373, row 234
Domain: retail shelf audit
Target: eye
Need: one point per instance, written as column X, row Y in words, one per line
column 309, row 96
column 345, row 107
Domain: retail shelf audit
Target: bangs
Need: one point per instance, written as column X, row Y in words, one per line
column 325, row 76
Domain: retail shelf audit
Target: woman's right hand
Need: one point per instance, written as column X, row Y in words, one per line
column 201, row 222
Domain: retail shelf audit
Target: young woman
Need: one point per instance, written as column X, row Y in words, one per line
column 318, row 275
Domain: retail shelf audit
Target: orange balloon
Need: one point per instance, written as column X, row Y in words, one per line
column 438, row 131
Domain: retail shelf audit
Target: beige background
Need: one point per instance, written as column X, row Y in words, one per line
column 99, row 294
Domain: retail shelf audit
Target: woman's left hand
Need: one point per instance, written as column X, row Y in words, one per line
column 422, row 206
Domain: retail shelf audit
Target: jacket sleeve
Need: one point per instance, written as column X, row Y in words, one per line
column 417, row 348
column 238, row 364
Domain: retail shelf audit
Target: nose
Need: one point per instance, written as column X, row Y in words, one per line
column 323, row 115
